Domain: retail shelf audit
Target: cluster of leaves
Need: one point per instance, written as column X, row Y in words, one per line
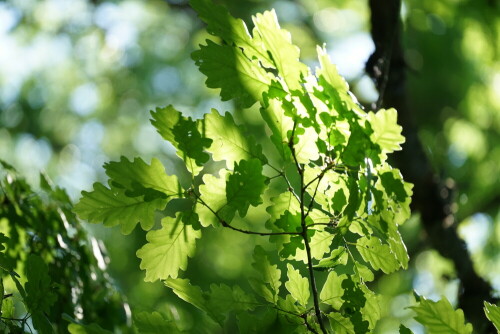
column 332, row 202
column 50, row 271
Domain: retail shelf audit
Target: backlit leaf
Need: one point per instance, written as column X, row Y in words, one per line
column 297, row 285
column 213, row 193
column 332, row 291
column 245, row 185
column 188, row 292
column 229, row 69
column 230, row 143
column 340, row 324
column 269, row 276
column 278, row 42
column 440, row 317
column 493, row 314
column 377, row 254
column 139, row 178
column 184, row 134
column 168, row 249
column 386, row 131
column 112, row 207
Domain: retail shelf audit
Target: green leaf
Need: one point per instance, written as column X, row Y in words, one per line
column 288, row 309
column 168, row 249
column 386, row 131
column 230, row 143
column 39, row 296
column 234, row 31
column 213, row 193
column 229, row 69
column 320, row 244
column 439, row 317
column 141, row 179
column 329, row 72
column 269, row 280
column 377, row 254
column 7, row 263
column 87, row 329
column 493, row 314
column 187, row 292
column 340, row 324
column 404, row 330
column 335, row 87
column 245, row 185
column 153, row 323
column 297, row 285
column 278, row 42
column 185, row 135
column 337, row 256
column 223, row 299
column 393, row 183
column 305, row 149
column 279, row 124
column 332, row 291
column 113, row 207
column 286, row 201
column 371, row 309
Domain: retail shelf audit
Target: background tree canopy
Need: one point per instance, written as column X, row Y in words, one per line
column 78, row 79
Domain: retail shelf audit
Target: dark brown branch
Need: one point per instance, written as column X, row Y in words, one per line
column 387, row 67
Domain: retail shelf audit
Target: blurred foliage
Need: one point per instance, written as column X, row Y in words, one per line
column 79, row 77
column 51, row 272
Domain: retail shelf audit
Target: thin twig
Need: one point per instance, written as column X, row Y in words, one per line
column 314, row 195
column 314, row 290
column 225, row 224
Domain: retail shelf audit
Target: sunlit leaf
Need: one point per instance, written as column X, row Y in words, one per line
column 440, row 317
column 493, row 314
column 168, row 249
column 285, row 55
column 340, row 324
column 332, row 291
column 232, row 30
column 187, row 292
column 297, row 285
column 214, row 206
column 184, row 134
column 230, row 143
column 139, row 178
column 112, row 207
column 386, row 131
column 245, row 185
column 269, row 276
column 377, row 254
column 229, row 69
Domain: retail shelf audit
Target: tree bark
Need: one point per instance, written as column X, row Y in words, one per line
column 431, row 196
